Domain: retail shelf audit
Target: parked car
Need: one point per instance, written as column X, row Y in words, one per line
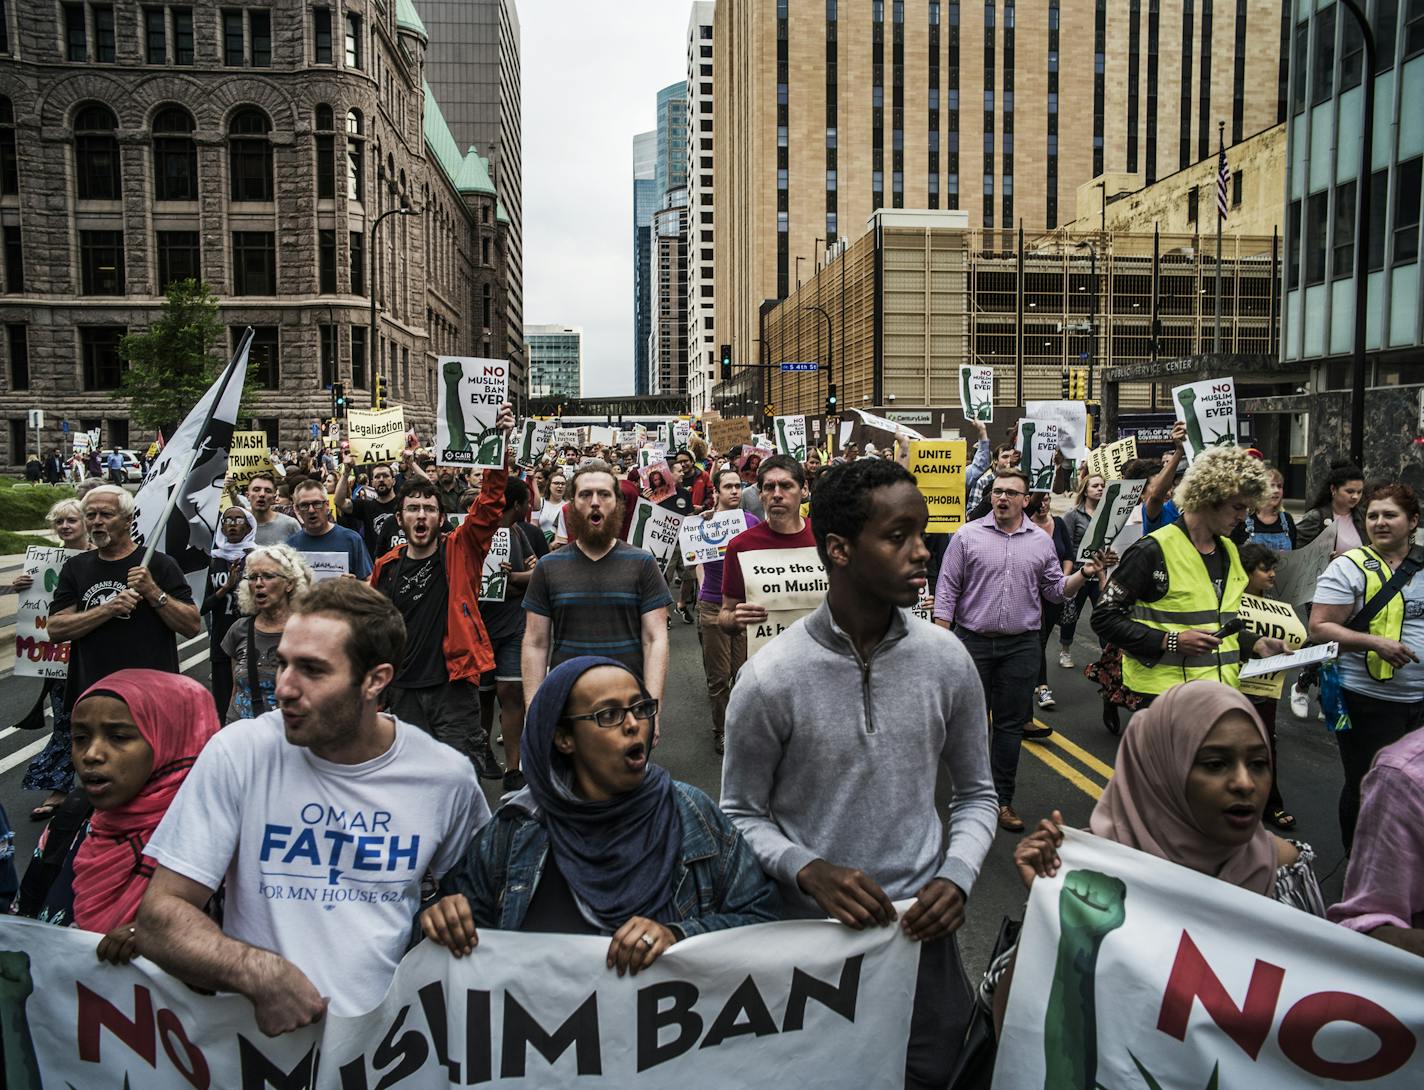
column 133, row 468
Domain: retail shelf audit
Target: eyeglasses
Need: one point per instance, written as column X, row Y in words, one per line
column 1004, row 493
column 263, row 577
column 613, row 717
column 311, row 505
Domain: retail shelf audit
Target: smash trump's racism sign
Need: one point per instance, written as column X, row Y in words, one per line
column 739, row 1008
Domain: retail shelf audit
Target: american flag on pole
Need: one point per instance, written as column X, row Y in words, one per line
column 1223, row 180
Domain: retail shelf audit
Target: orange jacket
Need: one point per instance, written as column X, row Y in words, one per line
column 467, row 647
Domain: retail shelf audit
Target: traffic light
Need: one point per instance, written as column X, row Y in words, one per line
column 1077, row 384
column 379, row 393
column 726, row 362
column 338, row 400
column 831, row 399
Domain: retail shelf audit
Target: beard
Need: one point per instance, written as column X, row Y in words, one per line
column 331, row 723
column 595, row 537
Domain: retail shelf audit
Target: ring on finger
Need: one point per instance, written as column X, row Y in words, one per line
column 646, row 939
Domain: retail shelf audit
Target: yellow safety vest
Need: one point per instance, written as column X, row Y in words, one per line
column 1388, row 622
column 1189, row 604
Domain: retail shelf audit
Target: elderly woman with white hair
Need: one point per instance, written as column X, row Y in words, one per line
column 274, row 577
column 1171, row 605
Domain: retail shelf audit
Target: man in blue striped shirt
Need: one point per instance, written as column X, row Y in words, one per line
column 596, row 595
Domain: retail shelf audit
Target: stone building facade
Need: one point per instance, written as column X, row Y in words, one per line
column 253, row 148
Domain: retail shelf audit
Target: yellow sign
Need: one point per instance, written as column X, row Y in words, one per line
column 938, row 467
column 1107, row 462
column 377, row 435
column 1267, row 617
column 248, row 455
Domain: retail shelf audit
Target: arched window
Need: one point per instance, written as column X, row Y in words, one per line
column 96, row 154
column 324, row 118
column 250, row 156
column 175, row 156
column 325, row 153
column 355, row 157
column 9, row 158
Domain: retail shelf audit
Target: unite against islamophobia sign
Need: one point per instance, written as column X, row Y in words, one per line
column 471, row 391
column 938, row 467
column 724, row 1009
column 1135, row 972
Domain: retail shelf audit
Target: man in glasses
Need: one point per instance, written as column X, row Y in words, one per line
column 319, row 534
column 996, row 574
column 781, row 481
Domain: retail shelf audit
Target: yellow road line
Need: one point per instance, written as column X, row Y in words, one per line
column 1064, row 769
column 1059, row 739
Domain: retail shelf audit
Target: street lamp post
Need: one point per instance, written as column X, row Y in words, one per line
column 1093, row 310
column 404, row 210
column 830, row 348
column 1362, row 233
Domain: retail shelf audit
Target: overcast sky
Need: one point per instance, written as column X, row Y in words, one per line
column 591, row 74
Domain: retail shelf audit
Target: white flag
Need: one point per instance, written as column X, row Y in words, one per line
column 188, row 537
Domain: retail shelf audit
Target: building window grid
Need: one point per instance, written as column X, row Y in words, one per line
column 1100, row 40
column 1184, row 134
column 18, row 344
column 1238, row 76
column 99, row 352
column 96, row 154
column 175, row 156
column 897, row 103
column 1051, row 187
column 1134, row 61
column 322, row 45
column 9, row 153
column 254, row 263
column 179, row 257
column 783, row 241
column 1154, row 21
column 14, row 259
column 1007, row 195
column 952, row 101
column 101, row 262
column 989, row 74
column 1204, row 125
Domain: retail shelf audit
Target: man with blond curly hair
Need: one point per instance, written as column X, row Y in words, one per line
column 1181, row 585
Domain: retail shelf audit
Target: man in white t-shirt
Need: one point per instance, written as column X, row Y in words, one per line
column 322, row 818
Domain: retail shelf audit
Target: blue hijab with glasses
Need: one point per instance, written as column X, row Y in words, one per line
column 620, row 855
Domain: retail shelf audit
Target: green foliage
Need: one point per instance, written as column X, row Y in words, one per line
column 25, row 508
column 172, row 363
column 13, row 544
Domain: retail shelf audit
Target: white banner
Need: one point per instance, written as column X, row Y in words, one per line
column 1114, row 511
column 725, row 1009
column 1209, row 410
column 656, row 529
column 1072, row 420
column 976, row 392
column 494, row 580
column 1135, row 972
column 36, row 655
column 327, row 565
column 704, row 540
column 188, row 536
column 789, row 583
column 471, row 392
column 790, row 433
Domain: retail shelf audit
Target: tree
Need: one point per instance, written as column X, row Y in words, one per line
column 171, row 365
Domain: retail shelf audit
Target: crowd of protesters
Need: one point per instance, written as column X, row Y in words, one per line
column 389, row 691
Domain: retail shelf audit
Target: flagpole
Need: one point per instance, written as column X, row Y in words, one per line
column 1220, row 215
column 198, row 448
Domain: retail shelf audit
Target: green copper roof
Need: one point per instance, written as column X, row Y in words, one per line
column 468, row 173
column 474, row 175
column 499, row 213
column 407, row 18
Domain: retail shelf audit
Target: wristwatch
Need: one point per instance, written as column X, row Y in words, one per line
column 162, row 601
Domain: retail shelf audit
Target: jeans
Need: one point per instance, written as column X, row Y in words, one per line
column 448, row 711
column 1008, row 670
column 722, row 657
column 1376, row 724
column 1073, row 611
column 1049, row 612
column 943, row 1004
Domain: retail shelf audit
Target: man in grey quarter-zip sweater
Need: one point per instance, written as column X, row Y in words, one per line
column 831, row 779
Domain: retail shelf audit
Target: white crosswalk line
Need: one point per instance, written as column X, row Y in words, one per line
column 20, row 756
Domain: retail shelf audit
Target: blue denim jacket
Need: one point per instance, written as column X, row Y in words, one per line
column 717, row 884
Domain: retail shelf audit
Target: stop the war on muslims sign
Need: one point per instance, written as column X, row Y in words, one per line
column 722, row 1009
column 789, row 583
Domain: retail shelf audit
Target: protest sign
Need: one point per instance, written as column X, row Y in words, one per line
column 658, row 481
column 628, row 437
column 1208, row 408
column 976, row 392
column 924, row 606
column 726, row 434
column 1072, row 420
column 650, row 455
column 681, row 434
column 860, row 427
column 939, row 474
column 1298, row 570
column 1135, row 972
column 1114, row 511
column 751, row 458
column 1107, row 461
column 704, row 540
column 250, row 454
column 36, row 655
column 327, row 565
column 494, row 580
column 656, row 529
column 787, row 583
column 1038, row 443
column 568, row 437
column 722, row 1009
column 605, row 436
column 471, row 391
column 1276, row 619
column 534, row 439
column 790, row 436
column 377, row 435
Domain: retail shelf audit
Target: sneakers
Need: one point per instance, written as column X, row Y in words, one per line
column 685, row 612
column 486, row 764
column 514, row 780
column 1009, row 821
column 1065, row 658
column 1299, row 703
column 1037, row 734
column 1045, row 697
column 719, row 741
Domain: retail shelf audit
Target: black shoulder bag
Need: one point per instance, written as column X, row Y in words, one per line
column 253, row 682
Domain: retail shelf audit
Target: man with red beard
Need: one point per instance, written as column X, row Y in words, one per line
column 435, row 583
column 600, row 595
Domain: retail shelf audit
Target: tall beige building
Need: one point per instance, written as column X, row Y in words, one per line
column 826, row 110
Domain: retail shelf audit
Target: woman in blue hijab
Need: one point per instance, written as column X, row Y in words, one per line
column 601, row 841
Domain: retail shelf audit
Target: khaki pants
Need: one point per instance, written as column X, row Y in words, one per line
column 722, row 657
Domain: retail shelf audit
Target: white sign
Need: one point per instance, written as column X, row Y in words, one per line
column 494, row 580
column 791, row 436
column 722, row 1009
column 1306, row 656
column 568, row 437
column 681, row 434
column 1114, row 511
column 534, row 438
column 36, row 418
column 1135, row 972
column 327, row 565
column 36, row 655
column 788, row 583
column 704, row 540
column 1038, row 443
column 976, row 392
column 655, row 529
column 1072, row 420
column 471, row 392
column 1208, row 408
